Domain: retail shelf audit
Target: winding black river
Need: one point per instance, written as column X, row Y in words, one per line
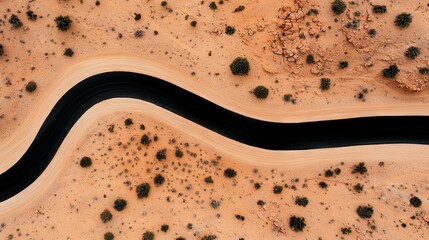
column 262, row 134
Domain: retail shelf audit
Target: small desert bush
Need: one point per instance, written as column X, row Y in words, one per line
column 119, row 204
column 30, row 87
column 106, row 216
column 261, row 92
column 178, row 153
column 343, row 64
column 415, row 202
column 145, row 140
column 379, row 9
column 229, row 30
column 240, row 66
column 403, row 20
column 323, row 185
column 148, row 235
column 158, row 179
column 391, row 72
column 164, row 3
column 213, row 6
column 63, row 23
column 209, row 237
column 365, row 211
column 31, row 16
column 310, row 59
column 301, row 201
column 85, row 162
column 412, row 52
column 165, row 227
column 161, row 154
column 194, row 23
column 138, row 33
column 287, row 97
column 68, row 52
column 338, row 6
column 346, row 230
column 422, row 70
column 360, row 168
column 240, row 217
column 128, row 122
column 325, row 84
column 137, row 16
column 109, row 236
column 208, row 180
column 239, row 8
column 260, row 203
column 142, row 190
column 277, row 189
column 297, row 223
column 257, row 185
column 15, row 21
column 229, row 173
column 1, row 50
column 358, row 188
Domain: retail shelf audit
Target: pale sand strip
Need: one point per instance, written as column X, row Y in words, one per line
column 227, row 147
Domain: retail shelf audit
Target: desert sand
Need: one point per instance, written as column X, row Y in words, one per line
column 66, row 201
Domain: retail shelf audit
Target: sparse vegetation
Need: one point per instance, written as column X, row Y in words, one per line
column 165, row 227
column 178, row 153
column 358, row 188
column 145, row 140
column 240, row 66
column 422, row 70
column 1, row 50
column 346, row 230
column 415, row 202
column 208, row 180
column 412, row 52
column 380, row 9
column 287, row 97
column 194, row 23
column 229, row 30
column 158, row 179
column 138, row 33
column 260, row 203
column 257, row 185
column 325, row 84
column 239, row 8
column 372, row 32
column 403, row 20
column 128, row 122
column 161, row 154
column 359, row 168
column 148, row 235
column 365, row 211
column 239, row 217
column 119, row 204
column 68, row 52
column 85, row 162
column 15, row 21
column 229, row 173
column 261, row 92
column 297, row 223
column 338, row 6
column 137, row 16
column 323, row 185
column 109, row 236
column 301, row 201
column 213, row 6
column 310, row 59
column 106, row 216
column 142, row 190
column 209, row 237
column 391, row 72
column 31, row 16
column 164, row 3
column 343, row 64
column 277, row 189
column 31, row 86
column 63, row 23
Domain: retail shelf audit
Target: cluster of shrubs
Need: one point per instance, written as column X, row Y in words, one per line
column 403, row 20
column 239, row 8
column 365, row 211
column 31, row 15
column 301, row 201
column 360, row 168
column 158, row 179
column 358, row 188
column 178, row 153
column 380, row 9
column 297, row 224
column 161, row 154
column 63, row 23
column 346, row 230
column 145, row 140
column 229, row 173
column 68, row 52
column 412, row 52
column 391, row 72
column 15, row 21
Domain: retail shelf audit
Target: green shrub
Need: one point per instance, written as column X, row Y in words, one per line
column 208, row 179
column 145, row 140
column 85, row 162
column 338, row 6
column 109, row 236
column 142, row 127
column 239, row 8
column 180, row 238
column 325, row 84
column 209, row 237
column 261, row 92
column 119, row 204
column 310, row 59
column 161, row 154
column 178, row 153
column 213, row 6
column 415, row 202
column 1, row 50
column 106, row 216
column 260, row 203
column 164, row 3
column 68, row 52
column 148, row 235
column 403, row 20
column 323, row 185
column 422, row 70
column 287, row 97
column 239, row 217
column 15, row 21
column 257, row 185
column 63, row 23
column 229, row 173
column 30, row 87
column 358, row 188
column 31, row 16
column 138, row 33
column 391, row 72
column 277, row 189
column 343, row 64
column 365, row 211
column 142, row 190
column 337, row 171
column 346, row 230
column 372, row 32
column 137, row 16
column 128, row 122
column 329, row 173
column 240, row 66
column 194, row 23
column 97, row 2
column 412, row 52
column 229, row 30
column 158, row 179
column 297, row 223
column 301, row 201
column 360, row 168
column 165, row 227
column 379, row 9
